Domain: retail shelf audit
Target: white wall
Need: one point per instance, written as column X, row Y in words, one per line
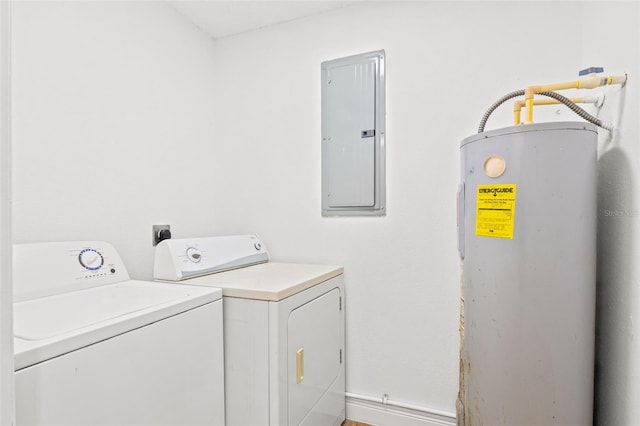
column 6, row 299
column 611, row 37
column 446, row 63
column 113, row 125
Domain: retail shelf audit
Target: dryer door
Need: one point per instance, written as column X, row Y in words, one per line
column 314, row 354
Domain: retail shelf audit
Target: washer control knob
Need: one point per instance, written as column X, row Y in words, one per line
column 258, row 246
column 194, row 255
column 91, row 259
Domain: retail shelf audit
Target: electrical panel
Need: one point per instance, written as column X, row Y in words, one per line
column 353, row 135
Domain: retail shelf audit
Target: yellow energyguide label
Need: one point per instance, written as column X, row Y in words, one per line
column 495, row 210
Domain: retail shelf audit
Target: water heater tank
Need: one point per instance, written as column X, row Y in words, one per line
column 527, row 239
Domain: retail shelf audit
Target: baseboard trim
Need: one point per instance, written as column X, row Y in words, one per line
column 372, row 411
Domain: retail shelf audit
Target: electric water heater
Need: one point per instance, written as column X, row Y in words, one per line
column 527, row 240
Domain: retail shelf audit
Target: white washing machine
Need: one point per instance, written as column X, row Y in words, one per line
column 93, row 347
column 283, row 329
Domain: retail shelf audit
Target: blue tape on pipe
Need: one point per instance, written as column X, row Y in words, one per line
column 591, row 70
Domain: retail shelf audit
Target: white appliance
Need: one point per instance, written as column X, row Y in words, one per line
column 283, row 329
column 93, row 347
column 527, row 237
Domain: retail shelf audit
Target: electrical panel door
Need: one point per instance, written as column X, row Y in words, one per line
column 353, row 135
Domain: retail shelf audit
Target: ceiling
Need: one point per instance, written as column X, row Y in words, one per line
column 223, row 18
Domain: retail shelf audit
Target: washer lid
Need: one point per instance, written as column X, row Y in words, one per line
column 50, row 326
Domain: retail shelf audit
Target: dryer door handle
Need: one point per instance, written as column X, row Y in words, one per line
column 300, row 366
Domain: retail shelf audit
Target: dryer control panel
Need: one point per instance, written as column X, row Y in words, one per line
column 179, row 259
column 43, row 269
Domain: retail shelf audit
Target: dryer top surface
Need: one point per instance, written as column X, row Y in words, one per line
column 271, row 281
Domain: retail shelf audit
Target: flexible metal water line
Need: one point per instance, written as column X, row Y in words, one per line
column 562, row 99
column 495, row 105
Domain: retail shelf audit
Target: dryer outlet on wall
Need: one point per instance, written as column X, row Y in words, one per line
column 161, row 232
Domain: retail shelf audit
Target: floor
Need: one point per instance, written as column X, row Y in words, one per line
column 354, row 423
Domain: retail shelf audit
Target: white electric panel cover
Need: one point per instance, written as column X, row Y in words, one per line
column 353, row 135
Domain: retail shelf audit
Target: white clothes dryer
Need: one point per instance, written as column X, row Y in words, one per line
column 283, row 329
column 93, row 347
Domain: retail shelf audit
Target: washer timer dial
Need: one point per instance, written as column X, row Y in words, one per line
column 91, row 259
